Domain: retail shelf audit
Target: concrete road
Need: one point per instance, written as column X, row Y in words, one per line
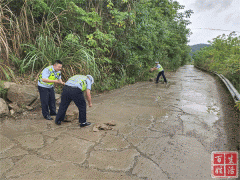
column 162, row 132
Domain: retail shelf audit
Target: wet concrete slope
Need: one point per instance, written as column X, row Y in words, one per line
column 162, row 132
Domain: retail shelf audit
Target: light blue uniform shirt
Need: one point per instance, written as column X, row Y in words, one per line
column 45, row 74
column 159, row 66
column 88, row 84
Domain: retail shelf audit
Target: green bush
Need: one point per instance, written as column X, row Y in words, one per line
column 115, row 41
column 223, row 57
column 3, row 92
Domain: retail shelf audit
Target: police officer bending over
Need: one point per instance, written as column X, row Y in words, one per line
column 46, row 80
column 73, row 91
column 160, row 70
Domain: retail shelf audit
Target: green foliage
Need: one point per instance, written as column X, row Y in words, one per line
column 101, row 42
column 117, row 41
column 6, row 72
column 197, row 47
column 158, row 35
column 223, row 56
column 91, row 18
column 3, row 92
column 238, row 105
column 45, row 51
column 38, row 7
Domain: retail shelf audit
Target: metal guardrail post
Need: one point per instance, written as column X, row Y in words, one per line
column 230, row 87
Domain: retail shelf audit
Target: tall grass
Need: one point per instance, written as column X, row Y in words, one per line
column 79, row 59
column 32, row 45
column 4, row 45
column 43, row 51
column 22, row 29
column 6, row 73
column 47, row 49
column 14, row 30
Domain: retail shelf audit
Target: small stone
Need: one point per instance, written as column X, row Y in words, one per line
column 12, row 112
column 20, row 110
column 95, row 128
column 58, row 102
column 14, row 106
column 111, row 123
column 98, row 127
column 3, row 108
column 57, row 96
column 29, row 108
column 104, row 127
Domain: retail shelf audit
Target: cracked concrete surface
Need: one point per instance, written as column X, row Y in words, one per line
column 161, row 133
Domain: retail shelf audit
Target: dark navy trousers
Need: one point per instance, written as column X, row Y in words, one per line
column 159, row 74
column 72, row 94
column 47, row 96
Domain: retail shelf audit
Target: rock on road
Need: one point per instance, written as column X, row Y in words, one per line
column 161, row 133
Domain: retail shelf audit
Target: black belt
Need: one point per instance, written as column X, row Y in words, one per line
column 72, row 86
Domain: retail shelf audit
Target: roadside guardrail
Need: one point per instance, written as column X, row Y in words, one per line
column 230, row 87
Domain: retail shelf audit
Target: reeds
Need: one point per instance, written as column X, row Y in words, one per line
column 76, row 58
column 6, row 73
column 30, row 46
column 13, row 32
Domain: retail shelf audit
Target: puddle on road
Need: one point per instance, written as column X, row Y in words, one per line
column 197, row 79
column 194, row 108
column 209, row 103
column 194, row 94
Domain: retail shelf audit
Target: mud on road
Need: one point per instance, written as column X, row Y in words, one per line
column 162, row 132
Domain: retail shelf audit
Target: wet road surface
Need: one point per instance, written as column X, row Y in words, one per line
column 162, row 132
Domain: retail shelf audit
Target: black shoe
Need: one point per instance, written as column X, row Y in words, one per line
column 48, row 118
column 58, row 122
column 85, row 124
column 66, row 121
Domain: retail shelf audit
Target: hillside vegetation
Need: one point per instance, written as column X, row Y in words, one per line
column 197, row 47
column 116, row 41
column 223, row 56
